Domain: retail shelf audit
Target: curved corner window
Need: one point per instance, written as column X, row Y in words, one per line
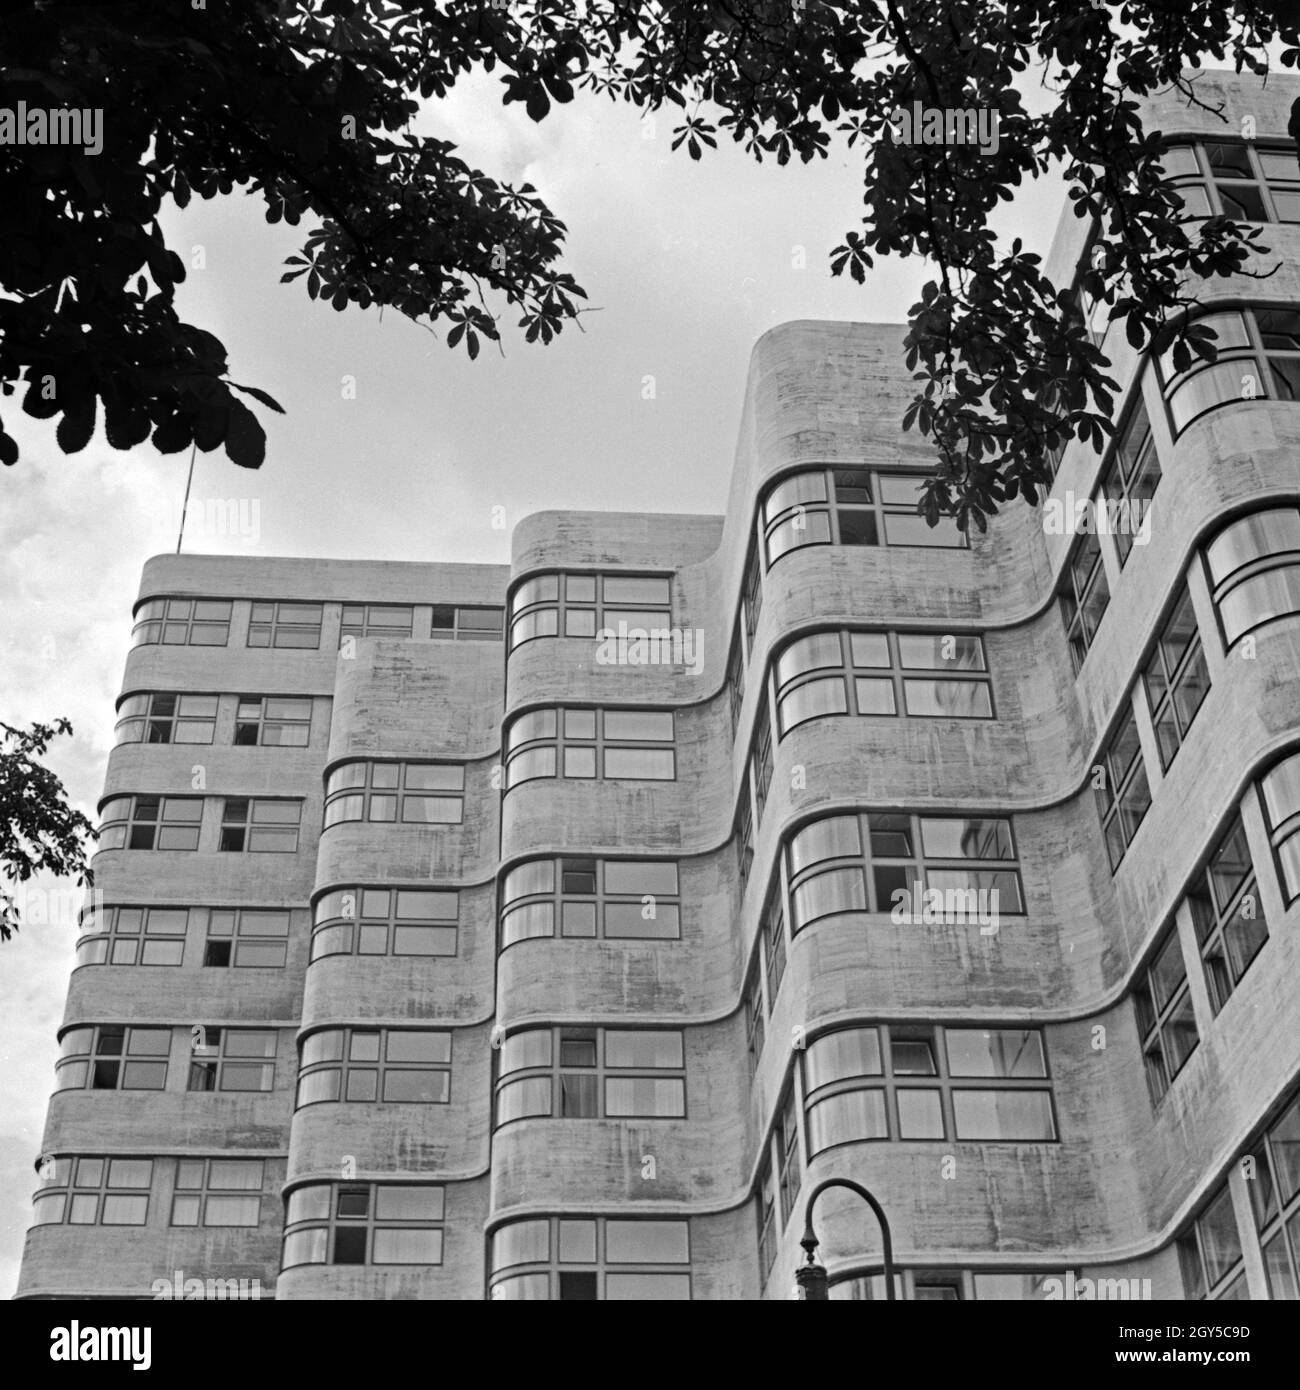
column 590, row 743
column 410, row 793
column 182, row 622
column 364, row 1224
column 1281, row 794
column 375, row 1064
column 611, row 899
column 585, row 1259
column 1258, row 359
column 1254, row 566
column 385, row 922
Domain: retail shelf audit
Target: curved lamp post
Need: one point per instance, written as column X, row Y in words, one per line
column 811, row 1277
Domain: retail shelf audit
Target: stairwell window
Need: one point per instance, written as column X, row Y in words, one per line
column 1176, row 678
column 1229, row 919
column 1254, row 566
column 1123, row 791
column 1083, row 595
column 1166, row 1023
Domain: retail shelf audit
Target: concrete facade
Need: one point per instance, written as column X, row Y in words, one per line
column 1126, row 1173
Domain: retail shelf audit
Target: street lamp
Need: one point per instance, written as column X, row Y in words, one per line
column 811, row 1277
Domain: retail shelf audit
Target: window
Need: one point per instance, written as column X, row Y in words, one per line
column 1275, row 1201
column 1281, row 792
column 899, row 1081
column 166, row 719
column 850, row 506
column 1225, row 907
column 1123, row 792
column 1130, row 479
column 744, row 837
column 285, row 625
column 584, row 605
column 247, row 937
column 785, row 1143
column 368, row 1064
column 1165, row 1020
column 1247, row 182
column 377, row 620
column 584, row 1259
column 1083, row 595
column 765, row 1206
column 1209, row 1253
column 218, row 1192
column 1176, row 678
column 881, row 673
column 385, row 922
column 760, row 758
column 752, row 1005
column 273, row 721
column 132, row 936
column 873, row 862
column 364, row 1224
column 150, row 822
column 590, row 1073
column 182, row 622
column 736, row 679
column 1258, row 359
column 609, row 743
column 113, row 1057
column 232, row 1059
column 410, row 793
column 1254, row 568
column 95, row 1192
column 466, row 624
column 258, row 825
column 751, row 594
column 773, row 929
column 613, row 899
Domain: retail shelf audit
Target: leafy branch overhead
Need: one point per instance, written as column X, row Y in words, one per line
column 39, row 832
column 308, row 106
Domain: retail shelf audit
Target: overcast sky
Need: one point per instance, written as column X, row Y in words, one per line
column 685, row 263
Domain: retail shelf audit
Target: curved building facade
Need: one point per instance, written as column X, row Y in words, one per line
column 551, row 930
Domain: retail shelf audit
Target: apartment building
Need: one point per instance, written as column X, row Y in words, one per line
column 551, row 930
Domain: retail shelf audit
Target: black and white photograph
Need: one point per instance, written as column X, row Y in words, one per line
column 651, row 652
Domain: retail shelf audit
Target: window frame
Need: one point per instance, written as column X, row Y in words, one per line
column 1164, row 708
column 551, row 1268
column 326, row 920
column 561, row 743
column 175, row 611
column 381, row 1066
column 523, row 901
column 263, row 721
column 370, row 791
column 148, row 721
column 243, row 834
column 370, row 1223
column 105, row 924
column 288, row 618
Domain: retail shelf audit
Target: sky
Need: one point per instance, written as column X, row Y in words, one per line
column 685, row 264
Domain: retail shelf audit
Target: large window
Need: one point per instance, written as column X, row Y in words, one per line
column 259, row 825
column 412, row 793
column 1176, row 678
column 900, row 1081
column 1255, row 570
column 590, row 1073
column 160, row 718
column 1084, row 595
column 1166, row 1023
column 850, row 506
column 780, row 1176
column 113, row 1057
column 1123, row 791
column 285, row 625
column 466, row 624
column 1275, row 1200
column 218, row 1192
column 760, row 759
column 1258, row 359
column 95, row 1192
column 611, row 899
column 150, row 822
column 913, row 673
column 773, row 929
column 583, row 1259
column 582, row 605
column 1209, row 1253
column 132, row 936
column 247, row 937
column 1281, row 792
column 743, row 835
column 273, row 721
column 371, row 1064
column 609, row 743
column 1229, row 919
column 873, row 862
column 385, row 922
column 751, row 1003
column 182, row 622
column 751, row 594
column 376, row 620
column 1130, row 479
column 364, row 1224
column 232, row 1059
column 1244, row 181
column 736, row 678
